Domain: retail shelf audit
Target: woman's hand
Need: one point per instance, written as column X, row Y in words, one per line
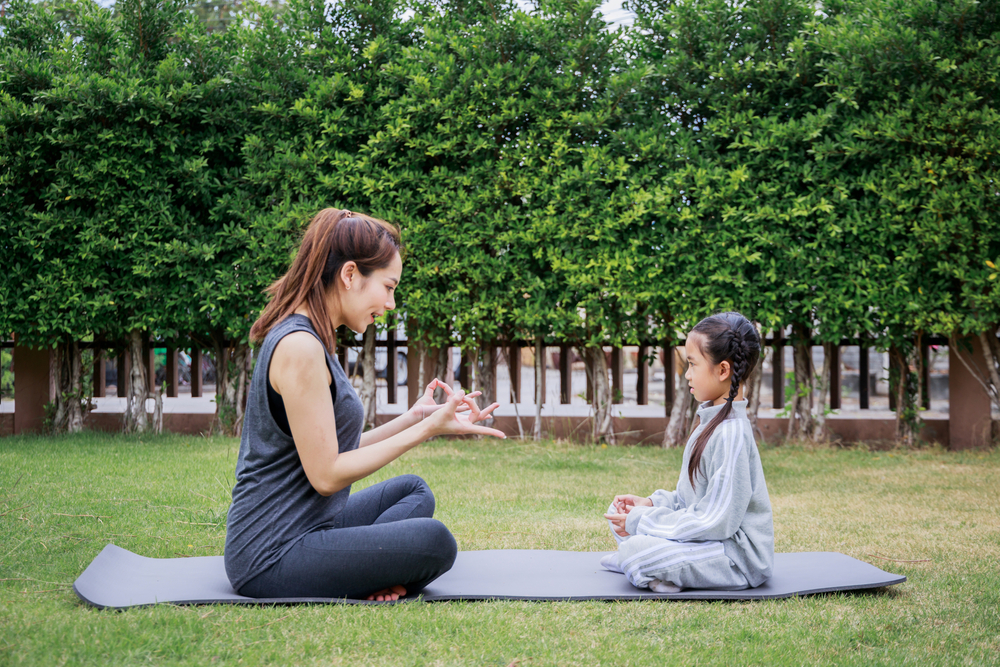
column 624, row 503
column 425, row 405
column 459, row 414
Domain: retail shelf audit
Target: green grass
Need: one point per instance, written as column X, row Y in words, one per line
column 167, row 496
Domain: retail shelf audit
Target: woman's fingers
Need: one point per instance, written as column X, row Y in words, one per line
column 486, row 412
column 483, row 430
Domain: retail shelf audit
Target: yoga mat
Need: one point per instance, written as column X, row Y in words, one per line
column 118, row 579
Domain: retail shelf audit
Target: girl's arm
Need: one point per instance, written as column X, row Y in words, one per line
column 718, row 512
column 669, row 499
column 298, row 372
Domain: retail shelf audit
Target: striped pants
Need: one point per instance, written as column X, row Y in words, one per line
column 684, row 564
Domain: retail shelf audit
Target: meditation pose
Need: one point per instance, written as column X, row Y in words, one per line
column 714, row 531
column 294, row 528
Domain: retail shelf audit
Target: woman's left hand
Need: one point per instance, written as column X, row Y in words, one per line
column 450, row 418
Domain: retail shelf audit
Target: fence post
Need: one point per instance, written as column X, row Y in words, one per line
column 32, row 387
column 197, row 383
column 149, row 358
column 835, row 376
column 778, row 369
column 669, row 358
column 642, row 377
column 969, row 421
column 463, row 374
column 925, row 374
column 617, row 376
column 565, row 375
column 590, row 371
column 514, row 368
column 124, row 370
column 864, row 377
column 100, row 373
column 171, row 372
column 390, row 366
column 344, row 363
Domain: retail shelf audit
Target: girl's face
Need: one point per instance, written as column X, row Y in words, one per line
column 709, row 382
column 365, row 298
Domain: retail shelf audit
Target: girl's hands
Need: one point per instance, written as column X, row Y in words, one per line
column 623, row 504
column 618, row 523
column 458, row 415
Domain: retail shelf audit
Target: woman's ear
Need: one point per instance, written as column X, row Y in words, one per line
column 348, row 272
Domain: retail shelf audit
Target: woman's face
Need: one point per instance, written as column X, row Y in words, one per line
column 371, row 296
column 709, row 382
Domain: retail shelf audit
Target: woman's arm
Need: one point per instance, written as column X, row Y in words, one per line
column 298, row 372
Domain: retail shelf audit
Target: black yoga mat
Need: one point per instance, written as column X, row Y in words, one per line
column 118, row 579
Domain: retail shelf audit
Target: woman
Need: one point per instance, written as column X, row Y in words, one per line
column 294, row 529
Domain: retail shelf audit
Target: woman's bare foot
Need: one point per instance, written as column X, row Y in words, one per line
column 390, row 594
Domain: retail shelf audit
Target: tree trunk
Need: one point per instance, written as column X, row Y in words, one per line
column 991, row 350
column 904, row 383
column 442, row 371
column 752, row 389
column 232, row 363
column 421, row 351
column 801, row 421
column 136, row 420
column 505, row 352
column 684, row 407
column 821, row 392
column 157, row 424
column 484, row 364
column 367, row 362
column 597, row 373
column 539, row 384
column 64, row 367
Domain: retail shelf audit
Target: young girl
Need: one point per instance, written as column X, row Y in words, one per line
column 715, row 530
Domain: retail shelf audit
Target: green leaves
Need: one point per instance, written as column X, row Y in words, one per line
column 836, row 170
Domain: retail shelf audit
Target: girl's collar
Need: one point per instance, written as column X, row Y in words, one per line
column 706, row 411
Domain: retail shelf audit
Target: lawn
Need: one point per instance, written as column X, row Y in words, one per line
column 931, row 515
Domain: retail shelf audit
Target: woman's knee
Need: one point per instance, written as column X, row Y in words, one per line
column 416, row 486
column 438, row 541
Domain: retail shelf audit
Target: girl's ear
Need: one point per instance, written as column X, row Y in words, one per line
column 725, row 371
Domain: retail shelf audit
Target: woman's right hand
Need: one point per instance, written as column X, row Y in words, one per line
column 459, row 415
column 624, row 503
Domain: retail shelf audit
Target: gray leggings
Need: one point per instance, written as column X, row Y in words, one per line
column 384, row 536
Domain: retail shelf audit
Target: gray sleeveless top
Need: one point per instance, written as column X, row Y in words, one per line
column 274, row 505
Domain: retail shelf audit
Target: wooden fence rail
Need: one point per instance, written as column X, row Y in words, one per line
column 969, row 422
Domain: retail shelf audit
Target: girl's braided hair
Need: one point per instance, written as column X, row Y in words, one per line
column 727, row 337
